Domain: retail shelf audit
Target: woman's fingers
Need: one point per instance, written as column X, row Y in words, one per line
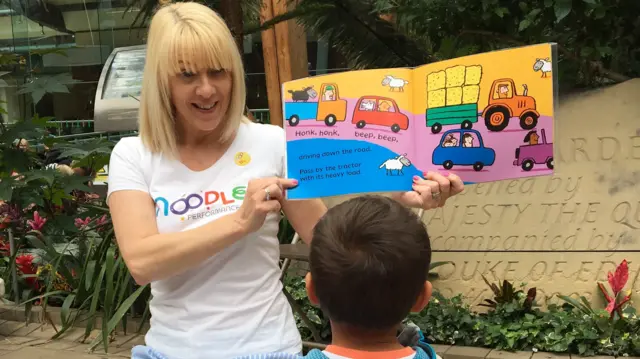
column 275, row 186
column 457, row 185
column 287, row 182
column 267, row 193
column 272, row 192
column 444, row 186
column 272, row 206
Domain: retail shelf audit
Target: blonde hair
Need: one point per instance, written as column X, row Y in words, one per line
column 195, row 34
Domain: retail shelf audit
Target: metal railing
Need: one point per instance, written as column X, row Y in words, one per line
column 261, row 115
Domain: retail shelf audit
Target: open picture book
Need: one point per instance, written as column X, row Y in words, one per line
column 485, row 117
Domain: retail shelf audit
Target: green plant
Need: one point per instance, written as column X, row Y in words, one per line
column 66, row 252
column 617, row 303
column 559, row 329
column 506, row 294
column 447, row 321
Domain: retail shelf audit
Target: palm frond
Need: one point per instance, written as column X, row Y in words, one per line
column 356, row 30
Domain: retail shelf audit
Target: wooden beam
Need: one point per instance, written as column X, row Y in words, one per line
column 297, row 47
column 282, row 41
column 284, row 48
column 272, row 77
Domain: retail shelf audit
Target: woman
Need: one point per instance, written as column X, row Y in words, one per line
column 195, row 199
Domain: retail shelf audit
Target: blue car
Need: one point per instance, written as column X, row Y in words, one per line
column 463, row 147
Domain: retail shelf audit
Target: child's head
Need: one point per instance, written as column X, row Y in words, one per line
column 369, row 260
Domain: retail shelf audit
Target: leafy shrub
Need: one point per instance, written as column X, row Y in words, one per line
column 512, row 322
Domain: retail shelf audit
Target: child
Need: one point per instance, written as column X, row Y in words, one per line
column 369, row 259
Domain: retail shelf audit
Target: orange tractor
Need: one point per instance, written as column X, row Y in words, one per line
column 505, row 103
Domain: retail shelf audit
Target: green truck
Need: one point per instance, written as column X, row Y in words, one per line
column 464, row 115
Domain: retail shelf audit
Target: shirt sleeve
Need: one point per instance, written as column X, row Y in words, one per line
column 125, row 168
column 280, row 149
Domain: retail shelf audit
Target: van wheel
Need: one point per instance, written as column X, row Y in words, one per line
column 550, row 163
column 497, row 119
column 294, row 120
column 330, row 120
column 478, row 166
column 361, row 124
column 527, row 165
column 466, row 125
column 436, row 128
column 395, row 128
column 448, row 164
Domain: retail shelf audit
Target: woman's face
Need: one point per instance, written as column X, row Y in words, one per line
column 201, row 99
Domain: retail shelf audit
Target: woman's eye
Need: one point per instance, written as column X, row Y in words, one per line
column 187, row 74
column 216, row 72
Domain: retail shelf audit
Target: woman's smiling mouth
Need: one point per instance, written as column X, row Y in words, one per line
column 205, row 107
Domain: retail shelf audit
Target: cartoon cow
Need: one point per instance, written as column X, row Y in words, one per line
column 303, row 95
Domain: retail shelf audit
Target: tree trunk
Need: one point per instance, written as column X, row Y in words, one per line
column 231, row 12
column 272, row 76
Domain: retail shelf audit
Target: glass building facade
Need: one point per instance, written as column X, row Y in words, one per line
column 52, row 53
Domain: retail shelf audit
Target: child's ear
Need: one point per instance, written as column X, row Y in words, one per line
column 423, row 298
column 311, row 289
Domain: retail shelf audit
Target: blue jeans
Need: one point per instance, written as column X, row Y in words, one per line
column 145, row 352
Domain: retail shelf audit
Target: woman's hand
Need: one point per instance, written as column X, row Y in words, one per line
column 263, row 195
column 431, row 192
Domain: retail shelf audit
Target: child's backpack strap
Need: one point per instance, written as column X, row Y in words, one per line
column 425, row 351
column 315, row 354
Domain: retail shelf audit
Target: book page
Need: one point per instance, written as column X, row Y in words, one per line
column 349, row 133
column 488, row 117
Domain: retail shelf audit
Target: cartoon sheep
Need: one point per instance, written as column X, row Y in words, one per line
column 543, row 65
column 396, row 164
column 394, row 83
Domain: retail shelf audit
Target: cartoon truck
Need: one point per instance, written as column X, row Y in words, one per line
column 380, row 111
column 505, row 103
column 330, row 108
column 461, row 152
column 452, row 97
column 534, row 153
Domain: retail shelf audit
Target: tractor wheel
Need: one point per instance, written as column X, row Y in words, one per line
column 294, row 120
column 528, row 120
column 330, row 120
column 497, row 118
column 466, row 125
column 436, row 128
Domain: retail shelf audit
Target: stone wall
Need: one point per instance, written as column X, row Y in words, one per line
column 563, row 233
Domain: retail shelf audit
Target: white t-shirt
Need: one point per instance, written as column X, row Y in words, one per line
column 232, row 304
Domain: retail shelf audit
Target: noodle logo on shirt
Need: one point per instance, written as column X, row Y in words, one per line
column 201, row 205
column 242, row 158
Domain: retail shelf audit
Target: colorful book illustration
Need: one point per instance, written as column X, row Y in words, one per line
column 484, row 117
